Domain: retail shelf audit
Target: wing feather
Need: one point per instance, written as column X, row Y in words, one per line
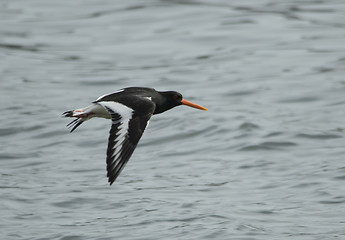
column 127, row 128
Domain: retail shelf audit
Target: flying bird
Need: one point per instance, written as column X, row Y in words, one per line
column 130, row 110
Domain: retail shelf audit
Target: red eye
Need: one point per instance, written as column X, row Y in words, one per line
column 175, row 96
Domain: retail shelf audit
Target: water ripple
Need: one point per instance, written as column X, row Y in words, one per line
column 269, row 146
column 318, row 136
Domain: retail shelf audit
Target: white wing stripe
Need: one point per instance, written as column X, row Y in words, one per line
column 116, row 149
column 124, row 111
column 121, row 90
column 126, row 115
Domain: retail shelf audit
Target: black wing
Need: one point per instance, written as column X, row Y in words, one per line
column 128, row 125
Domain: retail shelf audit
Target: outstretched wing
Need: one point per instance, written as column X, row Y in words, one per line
column 128, row 125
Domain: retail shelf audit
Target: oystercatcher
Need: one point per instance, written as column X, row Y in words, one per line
column 130, row 110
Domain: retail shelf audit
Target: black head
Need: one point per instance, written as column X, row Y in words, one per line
column 172, row 99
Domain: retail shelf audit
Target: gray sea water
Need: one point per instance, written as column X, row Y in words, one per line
column 265, row 162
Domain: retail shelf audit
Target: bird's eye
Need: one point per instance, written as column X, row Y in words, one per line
column 175, row 96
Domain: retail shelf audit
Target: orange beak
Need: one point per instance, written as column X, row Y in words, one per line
column 190, row 104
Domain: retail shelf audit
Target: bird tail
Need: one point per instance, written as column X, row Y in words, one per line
column 83, row 114
column 80, row 118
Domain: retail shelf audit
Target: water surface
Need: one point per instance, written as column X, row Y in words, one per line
column 265, row 162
